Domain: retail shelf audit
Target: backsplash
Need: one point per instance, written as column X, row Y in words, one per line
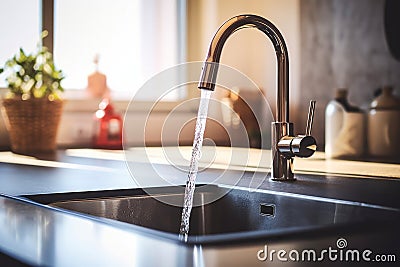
column 342, row 45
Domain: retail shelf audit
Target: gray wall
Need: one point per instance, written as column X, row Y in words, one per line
column 342, row 45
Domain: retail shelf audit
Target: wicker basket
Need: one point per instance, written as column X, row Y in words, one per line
column 32, row 124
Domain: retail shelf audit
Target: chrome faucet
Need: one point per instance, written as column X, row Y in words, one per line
column 285, row 146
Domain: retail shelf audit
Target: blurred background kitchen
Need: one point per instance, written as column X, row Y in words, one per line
column 332, row 44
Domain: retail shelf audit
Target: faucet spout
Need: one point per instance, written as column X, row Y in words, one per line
column 285, row 146
column 210, row 68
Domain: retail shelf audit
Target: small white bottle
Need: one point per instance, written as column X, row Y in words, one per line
column 344, row 128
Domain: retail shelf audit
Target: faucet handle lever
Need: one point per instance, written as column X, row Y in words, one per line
column 310, row 117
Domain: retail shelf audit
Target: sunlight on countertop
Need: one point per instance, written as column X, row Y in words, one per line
column 9, row 157
column 212, row 157
column 254, row 160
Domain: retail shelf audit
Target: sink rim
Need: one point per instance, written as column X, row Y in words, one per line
column 229, row 188
column 322, row 199
column 65, row 196
column 236, row 237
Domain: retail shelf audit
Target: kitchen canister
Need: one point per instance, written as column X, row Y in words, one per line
column 384, row 125
column 345, row 127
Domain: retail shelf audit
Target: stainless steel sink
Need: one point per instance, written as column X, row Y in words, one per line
column 239, row 214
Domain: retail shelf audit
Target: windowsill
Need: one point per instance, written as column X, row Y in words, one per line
column 80, row 101
column 76, row 127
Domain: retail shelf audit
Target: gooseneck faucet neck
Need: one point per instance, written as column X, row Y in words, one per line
column 284, row 145
column 210, row 68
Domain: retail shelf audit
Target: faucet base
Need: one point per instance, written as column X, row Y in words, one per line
column 283, row 179
column 282, row 166
column 286, row 173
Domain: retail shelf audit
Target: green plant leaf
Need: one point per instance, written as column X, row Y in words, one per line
column 44, row 34
column 34, row 74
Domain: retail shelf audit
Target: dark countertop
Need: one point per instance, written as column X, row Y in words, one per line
column 36, row 236
column 40, row 235
column 44, row 237
column 62, row 172
column 68, row 171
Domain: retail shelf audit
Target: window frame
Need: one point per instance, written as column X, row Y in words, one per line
column 78, row 100
column 78, row 95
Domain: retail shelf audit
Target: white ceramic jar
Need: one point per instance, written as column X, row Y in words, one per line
column 384, row 125
column 344, row 128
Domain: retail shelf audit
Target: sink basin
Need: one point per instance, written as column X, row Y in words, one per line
column 239, row 214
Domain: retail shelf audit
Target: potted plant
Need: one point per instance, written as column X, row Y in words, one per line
column 32, row 108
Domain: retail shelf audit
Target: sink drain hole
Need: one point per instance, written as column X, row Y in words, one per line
column 267, row 209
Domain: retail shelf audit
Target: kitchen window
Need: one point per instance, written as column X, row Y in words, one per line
column 20, row 27
column 134, row 39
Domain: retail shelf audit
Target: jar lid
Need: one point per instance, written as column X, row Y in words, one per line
column 341, row 93
column 341, row 97
column 386, row 100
